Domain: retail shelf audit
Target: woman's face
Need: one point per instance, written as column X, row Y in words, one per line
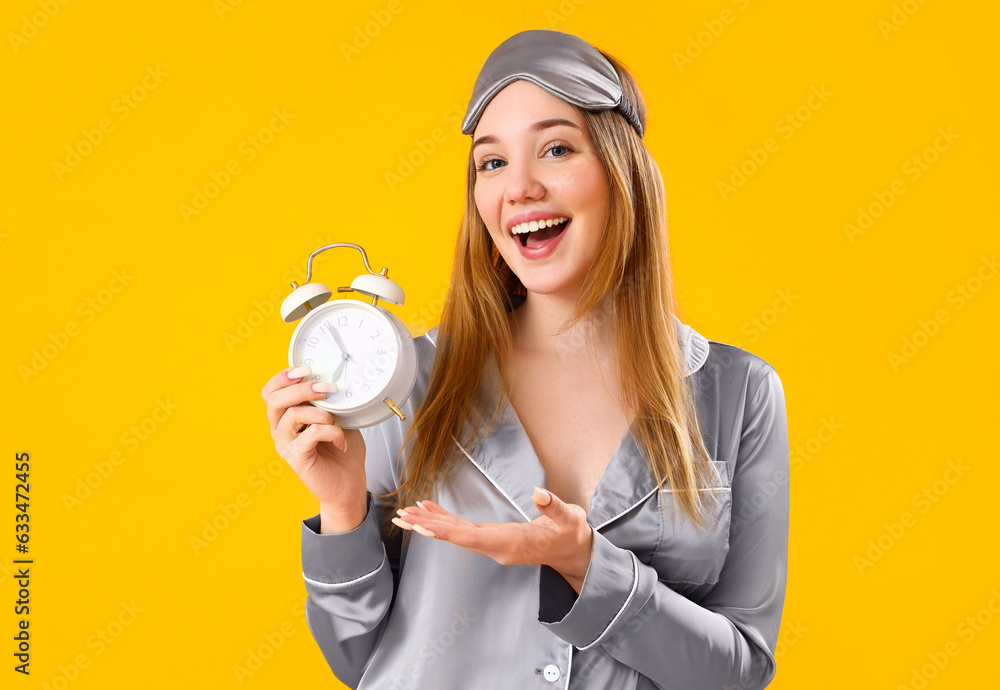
column 535, row 160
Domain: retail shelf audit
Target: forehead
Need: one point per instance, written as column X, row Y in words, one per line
column 520, row 103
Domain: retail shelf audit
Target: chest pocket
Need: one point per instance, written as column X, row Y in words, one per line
column 688, row 556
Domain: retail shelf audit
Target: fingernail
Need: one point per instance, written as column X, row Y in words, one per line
column 401, row 512
column 420, row 505
column 541, row 497
column 400, row 523
column 424, row 531
column 324, row 387
column 299, row 372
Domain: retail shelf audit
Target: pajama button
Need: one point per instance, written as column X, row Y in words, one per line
column 551, row 673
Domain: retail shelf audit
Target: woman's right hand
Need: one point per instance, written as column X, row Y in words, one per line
column 329, row 460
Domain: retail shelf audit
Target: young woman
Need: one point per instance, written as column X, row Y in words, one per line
column 586, row 493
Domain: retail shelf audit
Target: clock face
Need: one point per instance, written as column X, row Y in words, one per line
column 354, row 346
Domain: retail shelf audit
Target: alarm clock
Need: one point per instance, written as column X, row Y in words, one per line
column 358, row 345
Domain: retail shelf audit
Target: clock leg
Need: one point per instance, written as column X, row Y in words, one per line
column 392, row 406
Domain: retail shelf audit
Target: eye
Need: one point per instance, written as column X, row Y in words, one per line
column 485, row 164
column 560, row 145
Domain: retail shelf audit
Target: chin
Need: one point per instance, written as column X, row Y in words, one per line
column 548, row 286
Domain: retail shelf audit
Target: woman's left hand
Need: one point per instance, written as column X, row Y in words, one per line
column 560, row 538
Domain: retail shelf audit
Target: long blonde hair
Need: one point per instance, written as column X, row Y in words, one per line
column 632, row 268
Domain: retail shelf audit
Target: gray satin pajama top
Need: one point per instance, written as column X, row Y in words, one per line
column 661, row 606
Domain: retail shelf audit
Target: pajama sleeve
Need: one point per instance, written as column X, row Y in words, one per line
column 350, row 577
column 726, row 641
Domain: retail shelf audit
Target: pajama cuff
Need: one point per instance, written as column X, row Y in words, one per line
column 609, row 586
column 342, row 558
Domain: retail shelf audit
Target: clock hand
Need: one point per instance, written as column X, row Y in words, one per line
column 337, row 340
column 340, row 368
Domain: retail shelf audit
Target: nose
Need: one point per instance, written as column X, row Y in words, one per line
column 523, row 182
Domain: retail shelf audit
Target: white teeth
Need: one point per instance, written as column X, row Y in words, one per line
column 533, row 225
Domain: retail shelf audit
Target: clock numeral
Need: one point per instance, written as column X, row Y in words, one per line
column 361, row 321
column 308, row 360
column 313, row 341
column 381, row 351
column 376, row 334
column 366, row 387
column 348, row 393
column 342, row 320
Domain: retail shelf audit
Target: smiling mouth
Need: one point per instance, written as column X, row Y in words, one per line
column 537, row 238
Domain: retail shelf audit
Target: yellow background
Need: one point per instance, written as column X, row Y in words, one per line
column 829, row 307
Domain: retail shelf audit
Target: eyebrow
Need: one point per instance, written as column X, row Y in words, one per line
column 537, row 127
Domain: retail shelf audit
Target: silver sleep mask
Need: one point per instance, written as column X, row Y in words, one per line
column 564, row 65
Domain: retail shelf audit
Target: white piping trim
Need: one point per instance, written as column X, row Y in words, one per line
column 688, row 335
column 349, row 583
column 569, row 667
column 714, row 489
column 490, row 479
column 612, row 519
column 635, row 586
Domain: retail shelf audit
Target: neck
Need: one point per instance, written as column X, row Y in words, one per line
column 536, row 323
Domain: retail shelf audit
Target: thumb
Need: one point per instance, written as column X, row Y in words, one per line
column 550, row 505
column 541, row 497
